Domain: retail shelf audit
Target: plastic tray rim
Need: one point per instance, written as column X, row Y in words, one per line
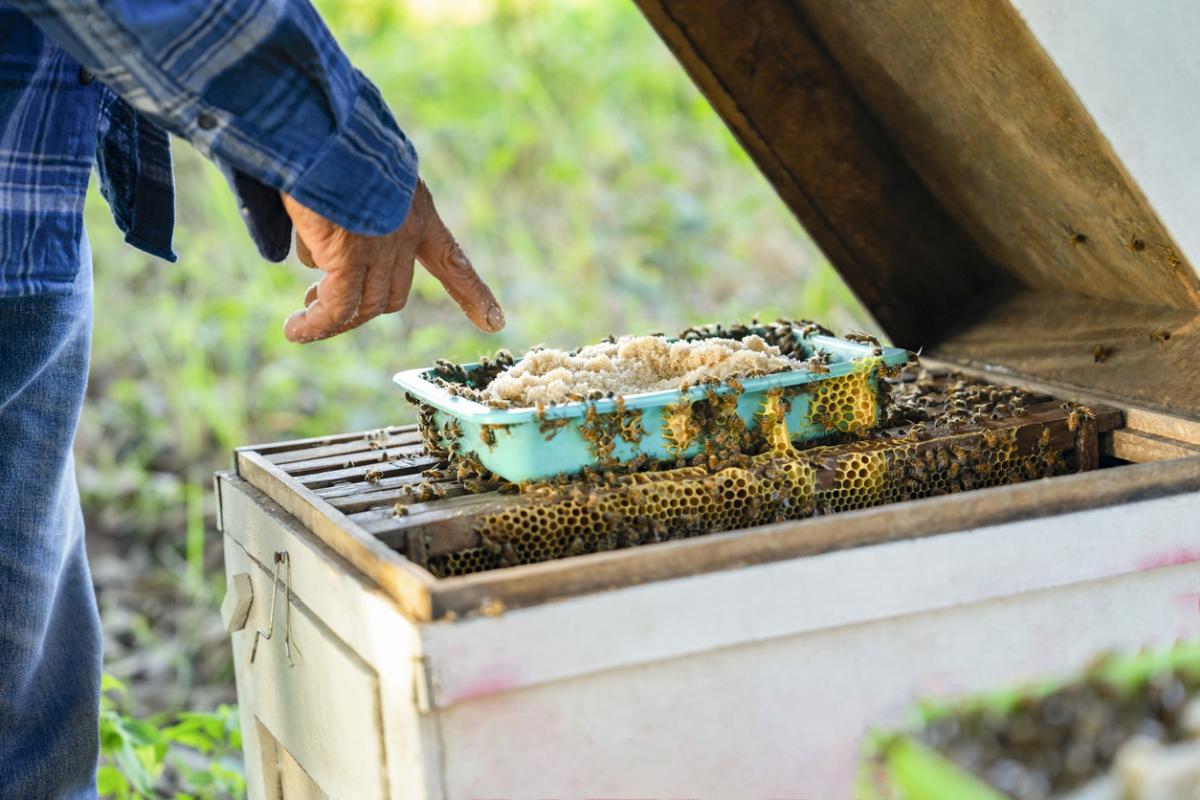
column 413, row 380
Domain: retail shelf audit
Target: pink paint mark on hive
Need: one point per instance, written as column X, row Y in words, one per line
column 492, row 681
column 1171, row 558
column 1189, row 600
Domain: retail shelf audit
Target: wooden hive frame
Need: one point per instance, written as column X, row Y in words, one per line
column 343, row 489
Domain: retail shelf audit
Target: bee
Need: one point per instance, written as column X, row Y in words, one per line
column 861, row 338
column 487, row 435
column 1100, row 354
column 953, row 470
column 1077, row 416
column 962, row 454
column 1019, row 411
column 373, row 476
column 808, row 328
column 399, row 510
column 1044, row 439
column 1160, row 335
column 1134, row 244
column 816, row 367
column 953, row 419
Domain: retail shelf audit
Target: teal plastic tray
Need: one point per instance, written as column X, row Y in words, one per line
column 515, row 447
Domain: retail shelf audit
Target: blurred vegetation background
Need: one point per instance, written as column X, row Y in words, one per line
column 593, row 187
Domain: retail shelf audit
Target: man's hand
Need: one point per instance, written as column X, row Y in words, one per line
column 366, row 276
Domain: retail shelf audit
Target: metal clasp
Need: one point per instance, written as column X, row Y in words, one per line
column 284, row 564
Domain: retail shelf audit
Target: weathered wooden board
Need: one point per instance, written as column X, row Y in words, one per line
column 1049, row 338
column 790, row 105
column 936, row 154
column 406, row 583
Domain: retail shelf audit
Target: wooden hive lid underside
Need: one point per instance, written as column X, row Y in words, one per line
column 951, row 175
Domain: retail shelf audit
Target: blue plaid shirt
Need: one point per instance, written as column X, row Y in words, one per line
column 258, row 86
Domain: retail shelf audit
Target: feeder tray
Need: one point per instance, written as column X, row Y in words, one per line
column 522, row 444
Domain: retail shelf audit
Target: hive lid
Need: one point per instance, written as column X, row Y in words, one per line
column 942, row 162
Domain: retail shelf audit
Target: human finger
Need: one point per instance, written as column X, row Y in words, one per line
column 441, row 254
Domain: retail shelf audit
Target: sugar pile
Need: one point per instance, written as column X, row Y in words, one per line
column 629, row 366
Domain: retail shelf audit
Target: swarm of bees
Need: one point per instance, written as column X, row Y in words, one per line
column 957, row 414
column 458, row 381
column 1049, row 743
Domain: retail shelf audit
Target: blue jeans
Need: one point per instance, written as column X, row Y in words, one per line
column 50, row 644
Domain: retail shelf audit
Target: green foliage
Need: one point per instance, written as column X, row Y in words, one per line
column 199, row 753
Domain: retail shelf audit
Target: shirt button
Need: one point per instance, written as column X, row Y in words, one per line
column 207, row 121
column 86, row 76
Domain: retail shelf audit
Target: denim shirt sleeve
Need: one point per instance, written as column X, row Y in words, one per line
column 261, row 88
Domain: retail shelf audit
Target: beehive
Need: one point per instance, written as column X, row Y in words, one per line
column 957, row 445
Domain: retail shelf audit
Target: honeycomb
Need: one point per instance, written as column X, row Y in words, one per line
column 781, row 483
column 848, row 404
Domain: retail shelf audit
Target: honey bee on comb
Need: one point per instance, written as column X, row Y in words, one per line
column 1077, row 416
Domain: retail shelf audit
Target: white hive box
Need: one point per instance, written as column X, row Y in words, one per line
column 1004, row 185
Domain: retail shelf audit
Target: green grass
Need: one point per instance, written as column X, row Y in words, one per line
column 593, row 186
